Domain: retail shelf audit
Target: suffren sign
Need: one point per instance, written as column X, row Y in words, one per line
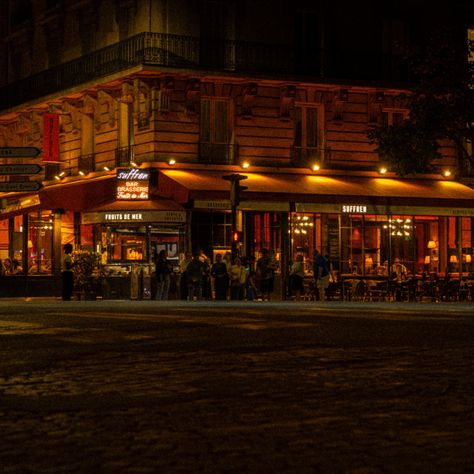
column 133, row 184
column 354, row 209
column 384, row 210
column 177, row 217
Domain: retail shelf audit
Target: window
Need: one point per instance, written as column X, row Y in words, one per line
column 308, row 143
column 393, row 116
column 215, row 133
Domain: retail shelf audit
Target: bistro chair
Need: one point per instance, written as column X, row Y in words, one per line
column 360, row 291
column 377, row 290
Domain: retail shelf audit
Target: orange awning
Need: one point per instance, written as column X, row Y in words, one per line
column 184, row 185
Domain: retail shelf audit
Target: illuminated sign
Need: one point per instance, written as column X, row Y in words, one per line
column 133, row 184
column 123, row 216
column 358, row 209
column 171, row 217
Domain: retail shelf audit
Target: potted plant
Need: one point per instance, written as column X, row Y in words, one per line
column 88, row 273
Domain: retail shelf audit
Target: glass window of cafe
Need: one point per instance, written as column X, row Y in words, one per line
column 39, row 241
column 364, row 244
column 124, row 244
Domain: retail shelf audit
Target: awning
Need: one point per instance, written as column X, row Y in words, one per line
column 20, row 205
column 78, row 195
column 156, row 210
column 187, row 185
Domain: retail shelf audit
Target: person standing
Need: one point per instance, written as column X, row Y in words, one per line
column 266, row 266
column 221, row 277
column 320, row 274
column 195, row 278
column 297, row 277
column 238, row 279
column 67, row 274
column 163, row 271
column 183, row 284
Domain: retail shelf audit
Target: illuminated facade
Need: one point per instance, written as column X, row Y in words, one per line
column 140, row 107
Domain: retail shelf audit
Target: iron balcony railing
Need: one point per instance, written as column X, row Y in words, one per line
column 124, row 157
column 218, row 154
column 155, row 49
column 86, row 164
column 306, row 157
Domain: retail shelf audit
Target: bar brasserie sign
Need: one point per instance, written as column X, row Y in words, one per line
column 133, row 184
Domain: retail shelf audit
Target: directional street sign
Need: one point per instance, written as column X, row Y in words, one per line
column 20, row 186
column 19, row 169
column 19, row 152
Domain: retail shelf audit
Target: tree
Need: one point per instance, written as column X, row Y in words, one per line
column 441, row 106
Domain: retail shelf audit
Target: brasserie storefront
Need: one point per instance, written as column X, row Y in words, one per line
column 363, row 223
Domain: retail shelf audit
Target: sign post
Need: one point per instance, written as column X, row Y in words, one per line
column 19, row 169
column 21, row 186
column 19, row 152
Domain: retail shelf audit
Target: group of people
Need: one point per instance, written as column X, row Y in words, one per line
column 237, row 278
column 322, row 274
column 10, row 266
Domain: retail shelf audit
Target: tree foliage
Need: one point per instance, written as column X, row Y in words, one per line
column 441, row 106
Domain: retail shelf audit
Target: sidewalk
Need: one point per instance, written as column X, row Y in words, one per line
column 447, row 308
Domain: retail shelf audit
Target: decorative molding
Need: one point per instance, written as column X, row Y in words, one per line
column 374, row 107
column 340, row 97
column 107, row 100
column 163, row 94
column 287, row 101
column 248, row 99
column 127, row 93
column 90, row 106
column 72, row 109
column 192, row 96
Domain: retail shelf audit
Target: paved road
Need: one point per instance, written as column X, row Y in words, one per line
column 145, row 387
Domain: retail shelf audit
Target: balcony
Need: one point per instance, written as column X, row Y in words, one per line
column 306, row 157
column 154, row 49
column 86, row 164
column 218, row 154
column 124, row 157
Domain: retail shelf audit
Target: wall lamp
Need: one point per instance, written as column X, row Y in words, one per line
column 171, row 161
column 447, row 173
column 245, row 165
column 107, row 168
column 315, row 167
column 62, row 175
column 383, row 169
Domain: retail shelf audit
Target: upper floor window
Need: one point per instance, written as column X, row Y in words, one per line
column 309, row 135
column 393, row 116
column 214, row 124
column 215, row 132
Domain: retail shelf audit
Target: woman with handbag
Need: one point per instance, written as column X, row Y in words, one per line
column 238, row 278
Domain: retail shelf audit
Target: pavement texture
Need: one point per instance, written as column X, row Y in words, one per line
column 207, row 387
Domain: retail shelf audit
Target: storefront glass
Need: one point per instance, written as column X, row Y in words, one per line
column 364, row 244
column 40, row 238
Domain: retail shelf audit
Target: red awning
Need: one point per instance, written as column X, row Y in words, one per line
column 148, row 205
column 78, row 195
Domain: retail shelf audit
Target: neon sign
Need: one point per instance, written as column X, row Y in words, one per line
column 133, row 184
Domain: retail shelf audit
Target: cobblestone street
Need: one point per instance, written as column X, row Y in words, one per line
column 149, row 387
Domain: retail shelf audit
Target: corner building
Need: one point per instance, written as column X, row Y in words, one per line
column 140, row 107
